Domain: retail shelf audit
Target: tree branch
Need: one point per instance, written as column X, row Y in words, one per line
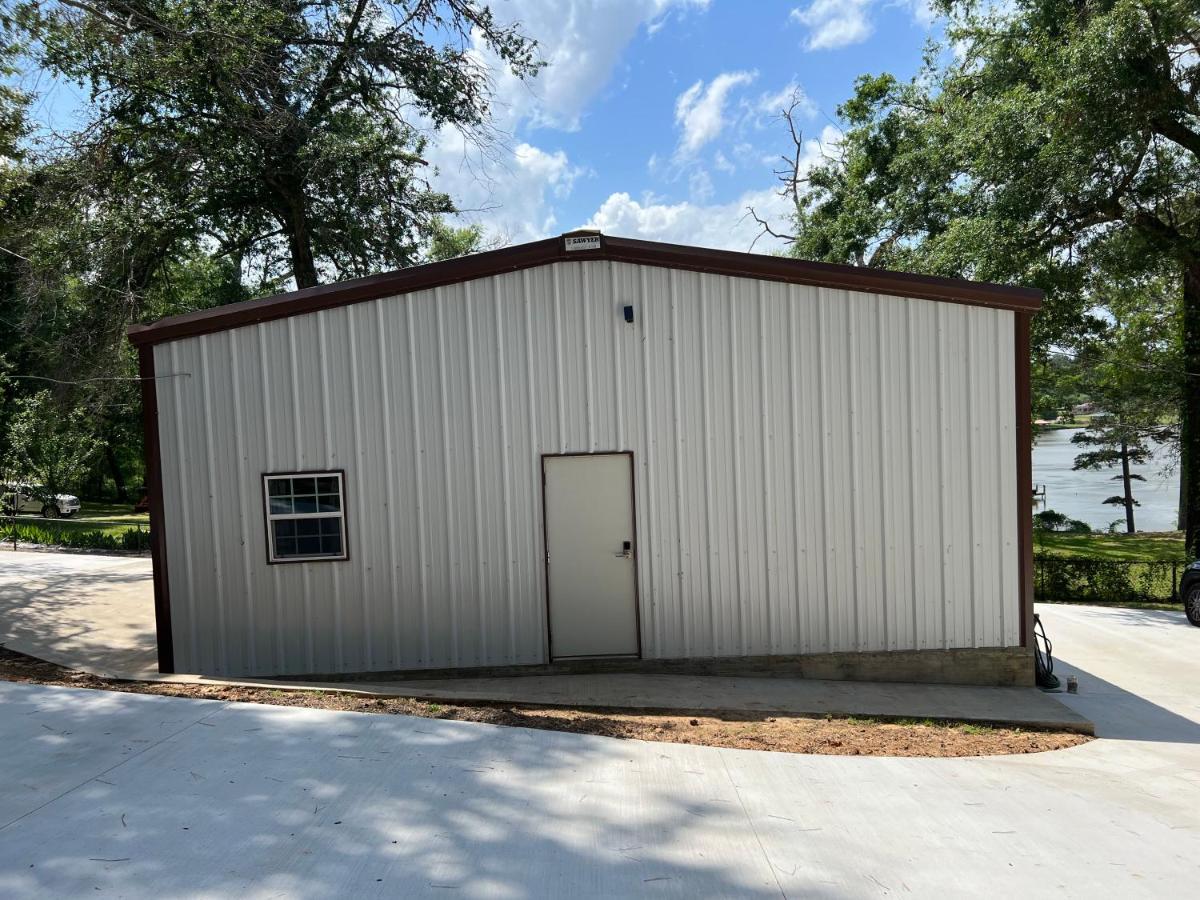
column 338, row 66
column 1178, row 133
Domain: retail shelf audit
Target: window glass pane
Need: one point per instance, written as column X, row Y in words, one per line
column 284, row 528
column 332, row 545
column 327, row 484
column 304, row 504
column 307, row 527
column 328, row 503
column 330, row 526
column 281, row 506
column 308, row 546
column 279, row 487
column 304, row 485
column 285, row 547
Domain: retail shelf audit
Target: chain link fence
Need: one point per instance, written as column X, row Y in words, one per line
column 1065, row 579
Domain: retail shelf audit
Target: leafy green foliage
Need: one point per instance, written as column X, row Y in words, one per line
column 132, row 540
column 1052, row 520
column 447, row 242
column 1051, row 143
column 48, row 445
column 1129, row 369
column 292, row 132
column 227, row 150
column 1060, row 579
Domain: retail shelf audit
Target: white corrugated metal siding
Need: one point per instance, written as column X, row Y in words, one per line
column 816, row 470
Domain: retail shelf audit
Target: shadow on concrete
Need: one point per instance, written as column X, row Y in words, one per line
column 1121, row 714
column 92, row 614
column 257, row 800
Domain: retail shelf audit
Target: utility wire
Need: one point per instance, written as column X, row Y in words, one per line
column 107, row 378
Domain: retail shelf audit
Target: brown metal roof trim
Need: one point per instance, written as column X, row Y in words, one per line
column 647, row 253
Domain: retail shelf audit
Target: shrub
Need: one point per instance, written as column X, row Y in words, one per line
column 1065, row 579
column 133, row 539
column 1049, row 520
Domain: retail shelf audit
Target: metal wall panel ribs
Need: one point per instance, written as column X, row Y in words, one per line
column 816, row 469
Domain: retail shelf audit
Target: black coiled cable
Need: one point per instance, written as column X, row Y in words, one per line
column 1046, row 678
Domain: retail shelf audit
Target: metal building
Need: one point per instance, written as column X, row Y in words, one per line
column 596, row 448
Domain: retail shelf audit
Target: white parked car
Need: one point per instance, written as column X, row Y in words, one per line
column 32, row 499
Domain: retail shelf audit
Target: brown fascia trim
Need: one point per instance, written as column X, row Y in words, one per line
column 1024, row 429
column 538, row 253
column 154, row 484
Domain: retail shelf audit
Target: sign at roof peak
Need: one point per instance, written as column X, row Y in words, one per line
column 581, row 242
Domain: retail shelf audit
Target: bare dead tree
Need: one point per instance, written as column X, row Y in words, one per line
column 792, row 174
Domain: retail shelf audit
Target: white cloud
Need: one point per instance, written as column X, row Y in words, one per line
column 840, row 23
column 511, row 187
column 724, row 226
column 700, row 111
column 700, row 186
column 834, row 23
column 920, row 10
column 512, row 195
column 581, row 42
column 821, row 148
column 772, row 103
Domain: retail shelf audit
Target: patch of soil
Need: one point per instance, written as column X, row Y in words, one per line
column 838, row 736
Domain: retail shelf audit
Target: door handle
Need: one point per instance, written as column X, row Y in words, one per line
column 626, row 550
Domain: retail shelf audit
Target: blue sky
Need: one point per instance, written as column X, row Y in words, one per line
column 658, row 118
column 654, row 118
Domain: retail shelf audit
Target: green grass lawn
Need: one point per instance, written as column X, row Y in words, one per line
column 1144, row 545
column 112, row 518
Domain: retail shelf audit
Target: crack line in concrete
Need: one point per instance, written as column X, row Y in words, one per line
column 754, row 828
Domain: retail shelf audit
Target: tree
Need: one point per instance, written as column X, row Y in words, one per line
column 1053, row 129
column 447, row 242
column 48, row 445
column 1129, row 370
column 227, row 149
column 1056, row 382
column 894, row 192
column 1082, row 122
column 290, row 130
column 1115, row 443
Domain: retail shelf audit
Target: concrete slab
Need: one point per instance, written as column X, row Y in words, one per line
column 1021, row 706
column 256, row 801
column 88, row 612
column 1137, row 670
column 96, row 614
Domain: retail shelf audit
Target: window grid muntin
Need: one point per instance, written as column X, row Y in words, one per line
column 324, row 489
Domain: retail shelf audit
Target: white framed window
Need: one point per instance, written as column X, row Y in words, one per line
column 306, row 516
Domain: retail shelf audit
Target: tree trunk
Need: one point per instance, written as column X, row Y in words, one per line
column 1182, row 516
column 304, row 267
column 1127, row 485
column 1189, row 445
column 114, row 468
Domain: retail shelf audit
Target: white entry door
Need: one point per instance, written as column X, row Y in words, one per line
column 591, row 572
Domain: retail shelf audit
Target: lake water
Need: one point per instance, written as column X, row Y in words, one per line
column 1081, row 495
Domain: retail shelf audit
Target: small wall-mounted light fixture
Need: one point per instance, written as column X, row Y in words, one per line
column 628, row 310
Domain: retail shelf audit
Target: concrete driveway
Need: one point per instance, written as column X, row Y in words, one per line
column 85, row 611
column 150, row 796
